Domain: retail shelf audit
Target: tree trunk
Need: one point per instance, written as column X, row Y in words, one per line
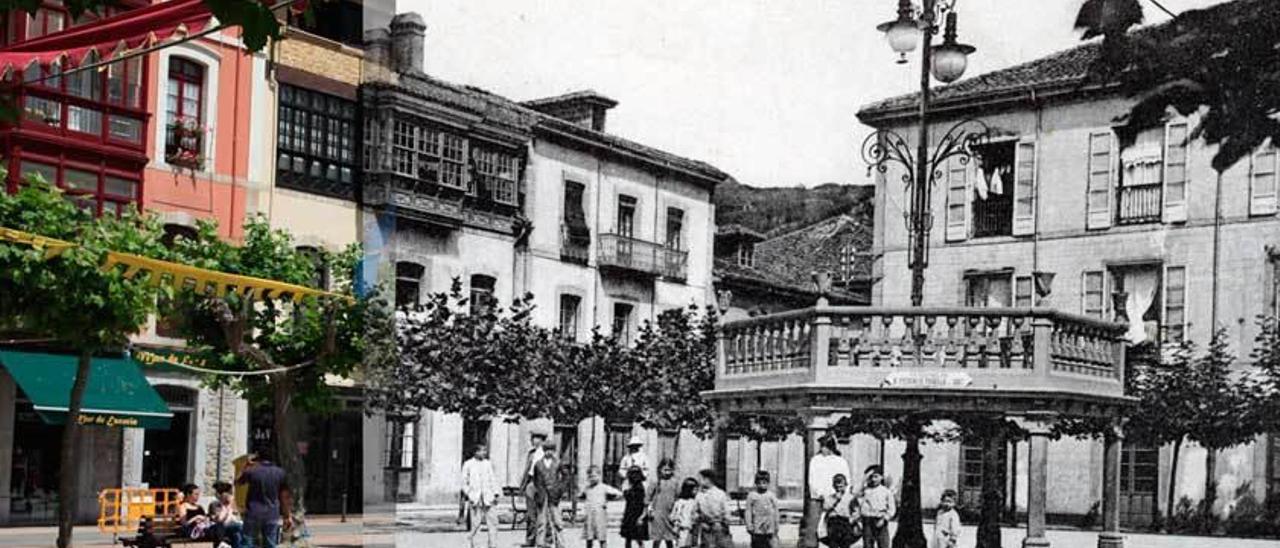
column 1210, row 483
column 759, row 456
column 992, row 491
column 68, row 482
column 1173, row 483
column 910, row 527
column 286, row 442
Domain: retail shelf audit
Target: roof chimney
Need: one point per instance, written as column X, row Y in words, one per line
column 408, row 32
column 584, row 108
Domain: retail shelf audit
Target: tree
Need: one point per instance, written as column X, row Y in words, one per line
column 991, row 433
column 1204, row 59
column 274, row 350
column 65, row 295
column 674, row 362
column 1222, row 417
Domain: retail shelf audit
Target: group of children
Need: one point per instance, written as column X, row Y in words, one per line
column 851, row 514
column 693, row 513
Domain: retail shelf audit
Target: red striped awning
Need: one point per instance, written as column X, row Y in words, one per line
column 108, row 37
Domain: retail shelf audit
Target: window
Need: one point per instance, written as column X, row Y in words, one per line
column 97, row 189
column 1262, row 181
column 1138, row 196
column 626, row 215
column 401, row 458
column 482, row 299
column 675, row 228
column 576, row 236
column 408, row 284
column 184, row 105
column 316, row 142
column 971, row 474
column 474, row 434
column 427, row 154
column 497, row 176
column 1092, row 301
column 622, row 322
column 746, row 254
column 1175, row 172
column 1023, row 292
column 993, row 191
column 1175, row 303
column 569, row 305
column 1141, row 286
column 988, row 290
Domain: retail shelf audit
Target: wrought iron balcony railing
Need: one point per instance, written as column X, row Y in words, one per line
column 644, row 257
column 1139, row 204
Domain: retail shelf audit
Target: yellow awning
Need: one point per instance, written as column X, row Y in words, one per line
column 175, row 274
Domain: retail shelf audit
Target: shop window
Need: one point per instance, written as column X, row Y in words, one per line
column 316, row 142
column 184, row 106
column 408, row 284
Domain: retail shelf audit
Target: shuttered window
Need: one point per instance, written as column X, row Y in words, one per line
column 957, row 200
column 1175, row 303
column 1101, row 175
column 1093, row 294
column 1175, row 172
column 1262, row 182
column 1024, row 187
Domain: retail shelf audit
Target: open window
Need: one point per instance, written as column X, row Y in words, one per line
column 408, row 283
column 184, row 106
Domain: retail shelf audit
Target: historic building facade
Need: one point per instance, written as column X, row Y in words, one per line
column 1065, row 186
column 510, row 198
column 167, row 133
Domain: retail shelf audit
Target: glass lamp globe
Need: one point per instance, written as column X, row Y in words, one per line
column 902, row 35
column 949, row 61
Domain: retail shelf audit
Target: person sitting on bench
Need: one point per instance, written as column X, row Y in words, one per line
column 193, row 522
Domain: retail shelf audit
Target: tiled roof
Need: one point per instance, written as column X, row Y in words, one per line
column 1062, row 70
column 738, row 230
column 728, row 271
column 797, row 254
column 506, row 112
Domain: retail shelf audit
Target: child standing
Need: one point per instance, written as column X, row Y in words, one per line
column 946, row 528
column 597, row 495
column 711, row 513
column 762, row 514
column 662, row 500
column 877, row 508
column 840, row 514
column 634, row 528
column 682, row 514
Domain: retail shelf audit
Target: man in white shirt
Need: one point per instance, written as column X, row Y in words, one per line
column 481, row 487
column 635, row 457
column 536, row 439
column 823, row 468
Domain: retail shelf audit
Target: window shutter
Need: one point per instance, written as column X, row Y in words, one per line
column 1175, row 303
column 1101, row 166
column 1023, row 295
column 957, row 200
column 1175, row 172
column 1093, row 293
column 1024, row 188
column 1262, row 182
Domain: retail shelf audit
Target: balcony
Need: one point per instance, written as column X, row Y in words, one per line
column 959, row 359
column 1138, row 204
column 633, row 255
column 411, row 203
column 993, row 216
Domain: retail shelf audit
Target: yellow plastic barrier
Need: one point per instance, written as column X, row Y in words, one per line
column 123, row 510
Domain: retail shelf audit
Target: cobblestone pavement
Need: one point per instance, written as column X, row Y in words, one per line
column 329, row 532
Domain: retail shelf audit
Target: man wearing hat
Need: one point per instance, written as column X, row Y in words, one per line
column 536, row 440
column 635, row 457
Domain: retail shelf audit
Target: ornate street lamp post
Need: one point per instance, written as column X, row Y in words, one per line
column 946, row 62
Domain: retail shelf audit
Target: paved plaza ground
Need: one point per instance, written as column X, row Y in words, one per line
column 329, row 532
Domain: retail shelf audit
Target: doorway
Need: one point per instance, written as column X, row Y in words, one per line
column 971, row 476
column 166, row 453
column 1139, row 478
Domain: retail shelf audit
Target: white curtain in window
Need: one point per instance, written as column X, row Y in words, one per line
column 1141, row 286
column 999, row 292
column 1143, row 161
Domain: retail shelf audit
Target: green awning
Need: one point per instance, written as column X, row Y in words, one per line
column 117, row 394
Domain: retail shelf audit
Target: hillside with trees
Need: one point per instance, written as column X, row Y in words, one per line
column 777, row 210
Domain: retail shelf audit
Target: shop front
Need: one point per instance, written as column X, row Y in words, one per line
column 35, row 389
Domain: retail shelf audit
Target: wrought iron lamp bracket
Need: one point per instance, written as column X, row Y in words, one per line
column 961, row 142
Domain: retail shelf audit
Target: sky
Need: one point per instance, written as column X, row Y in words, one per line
column 766, row 90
